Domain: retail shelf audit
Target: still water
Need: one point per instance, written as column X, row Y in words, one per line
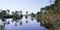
column 21, row 24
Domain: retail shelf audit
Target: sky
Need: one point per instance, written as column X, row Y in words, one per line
column 24, row 5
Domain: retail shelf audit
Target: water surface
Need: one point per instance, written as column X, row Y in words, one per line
column 21, row 24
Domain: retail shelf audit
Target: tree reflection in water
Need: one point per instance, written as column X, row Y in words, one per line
column 1, row 27
column 3, row 19
column 21, row 22
column 8, row 22
column 12, row 20
column 4, row 24
column 26, row 21
column 32, row 18
column 45, row 23
column 26, row 16
column 15, row 24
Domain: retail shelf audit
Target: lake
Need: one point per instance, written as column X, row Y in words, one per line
column 29, row 23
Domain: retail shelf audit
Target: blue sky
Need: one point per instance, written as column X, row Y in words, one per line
column 24, row 5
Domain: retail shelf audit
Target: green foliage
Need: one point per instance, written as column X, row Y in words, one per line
column 47, row 11
column 32, row 14
column 48, row 25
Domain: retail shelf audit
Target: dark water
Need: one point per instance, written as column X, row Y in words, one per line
column 22, row 24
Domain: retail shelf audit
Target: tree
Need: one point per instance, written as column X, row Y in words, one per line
column 3, row 12
column 26, row 12
column 16, row 13
column 8, row 10
column 12, row 13
column 32, row 14
column 20, row 12
column 38, row 13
